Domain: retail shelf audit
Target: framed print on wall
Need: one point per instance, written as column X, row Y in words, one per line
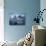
column 17, row 19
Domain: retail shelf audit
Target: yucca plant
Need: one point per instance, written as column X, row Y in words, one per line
column 39, row 16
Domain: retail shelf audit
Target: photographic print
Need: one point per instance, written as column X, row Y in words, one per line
column 17, row 19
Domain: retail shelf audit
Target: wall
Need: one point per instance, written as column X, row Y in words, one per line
column 29, row 7
column 43, row 6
